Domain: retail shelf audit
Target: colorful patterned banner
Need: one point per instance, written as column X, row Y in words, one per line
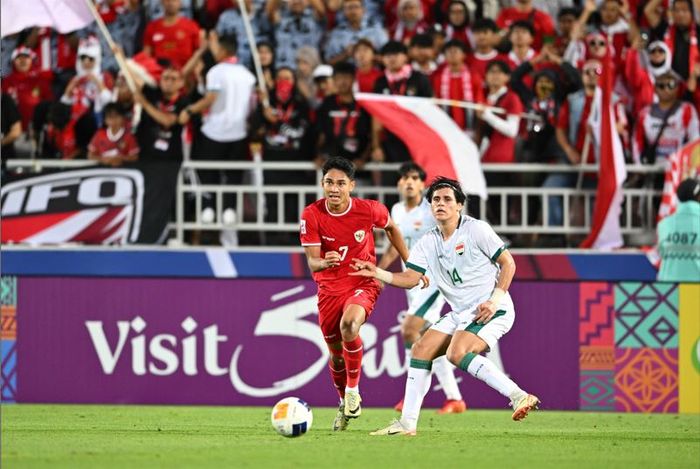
column 689, row 349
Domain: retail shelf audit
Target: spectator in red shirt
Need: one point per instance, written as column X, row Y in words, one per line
column 497, row 132
column 485, row 40
column 173, row 37
column 91, row 88
column 641, row 69
column 454, row 80
column 409, row 22
column 521, row 37
column 113, row 145
column 27, row 86
column 367, row 73
column 457, row 26
column 543, row 26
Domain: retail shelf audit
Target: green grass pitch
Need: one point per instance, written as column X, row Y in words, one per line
column 36, row 436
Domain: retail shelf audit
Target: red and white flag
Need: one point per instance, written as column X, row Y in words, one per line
column 683, row 164
column 605, row 230
column 435, row 142
column 62, row 15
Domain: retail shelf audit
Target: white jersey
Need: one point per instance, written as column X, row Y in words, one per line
column 413, row 223
column 464, row 267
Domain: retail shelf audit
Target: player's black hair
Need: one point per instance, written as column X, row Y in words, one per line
column 568, row 11
column 113, row 108
column 485, row 24
column 422, row 40
column 344, row 68
column 442, row 182
column 411, row 167
column 455, row 43
column 341, row 164
column 229, row 42
column 499, row 64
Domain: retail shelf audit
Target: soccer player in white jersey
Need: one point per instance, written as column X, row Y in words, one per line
column 473, row 270
column 414, row 218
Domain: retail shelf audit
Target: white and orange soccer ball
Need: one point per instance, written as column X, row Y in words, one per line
column 291, row 417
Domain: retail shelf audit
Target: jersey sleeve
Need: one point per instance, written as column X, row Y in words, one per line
column 488, row 241
column 417, row 259
column 215, row 80
column 308, row 228
column 380, row 214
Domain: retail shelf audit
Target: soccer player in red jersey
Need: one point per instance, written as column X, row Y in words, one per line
column 334, row 230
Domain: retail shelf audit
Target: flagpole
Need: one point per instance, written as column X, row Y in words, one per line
column 262, row 84
column 112, row 45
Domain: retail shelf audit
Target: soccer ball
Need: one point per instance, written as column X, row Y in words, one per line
column 291, row 417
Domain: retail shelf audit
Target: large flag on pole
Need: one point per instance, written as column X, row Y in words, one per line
column 435, row 142
column 605, row 229
column 62, row 15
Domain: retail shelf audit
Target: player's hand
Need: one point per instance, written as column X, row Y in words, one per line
column 331, row 259
column 484, row 312
column 425, row 282
column 363, row 268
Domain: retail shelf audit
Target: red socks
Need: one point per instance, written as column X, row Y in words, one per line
column 352, row 353
column 339, row 375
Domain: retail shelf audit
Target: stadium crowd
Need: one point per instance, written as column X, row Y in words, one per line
column 63, row 95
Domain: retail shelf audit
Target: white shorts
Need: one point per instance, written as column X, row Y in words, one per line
column 490, row 332
column 425, row 303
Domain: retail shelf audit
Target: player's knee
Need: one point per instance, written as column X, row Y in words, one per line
column 349, row 329
column 337, row 362
column 420, row 351
column 409, row 334
column 454, row 356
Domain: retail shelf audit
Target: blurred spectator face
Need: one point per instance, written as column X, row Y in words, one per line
column 596, row 46
column 343, row 83
column 565, row 24
column 364, row 56
column 114, row 121
column 410, row 12
column 610, row 12
column 87, row 61
column 23, row 63
column 304, row 68
column 666, row 89
column 591, row 74
column 495, row 78
column 422, row 55
column 524, row 2
column 171, row 82
column 326, row 85
column 457, row 14
column 484, row 39
column 454, row 56
column 124, row 94
column 171, row 7
column 394, row 62
column 353, row 11
column 521, row 37
column 657, row 56
column 681, row 13
column 544, row 87
column 284, row 85
column 297, row 7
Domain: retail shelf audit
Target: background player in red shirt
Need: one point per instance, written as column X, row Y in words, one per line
column 335, row 230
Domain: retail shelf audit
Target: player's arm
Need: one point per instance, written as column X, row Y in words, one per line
column 486, row 310
column 396, row 239
column 408, row 279
column 388, row 258
column 318, row 263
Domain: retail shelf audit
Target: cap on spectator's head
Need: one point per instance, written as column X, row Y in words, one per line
column 501, row 65
column 523, row 24
column 455, row 43
column 567, row 11
column 485, row 24
column 322, row 71
column 689, row 189
column 364, row 42
column 394, row 47
column 23, row 50
column 344, row 68
column 422, row 40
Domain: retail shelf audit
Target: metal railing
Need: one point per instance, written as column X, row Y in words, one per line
column 510, row 210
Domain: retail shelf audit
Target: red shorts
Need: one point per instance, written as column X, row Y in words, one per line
column 331, row 307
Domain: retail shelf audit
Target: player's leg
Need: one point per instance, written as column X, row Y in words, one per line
column 411, row 329
column 432, row 344
column 356, row 310
column 465, row 352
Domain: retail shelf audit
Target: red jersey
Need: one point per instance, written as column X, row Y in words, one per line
column 176, row 43
column 106, row 146
column 501, row 148
column 478, row 62
column 349, row 233
column 365, row 80
column 563, row 122
column 541, row 21
column 28, row 90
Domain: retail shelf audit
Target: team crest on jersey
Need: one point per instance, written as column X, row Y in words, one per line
column 359, row 235
column 459, row 248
